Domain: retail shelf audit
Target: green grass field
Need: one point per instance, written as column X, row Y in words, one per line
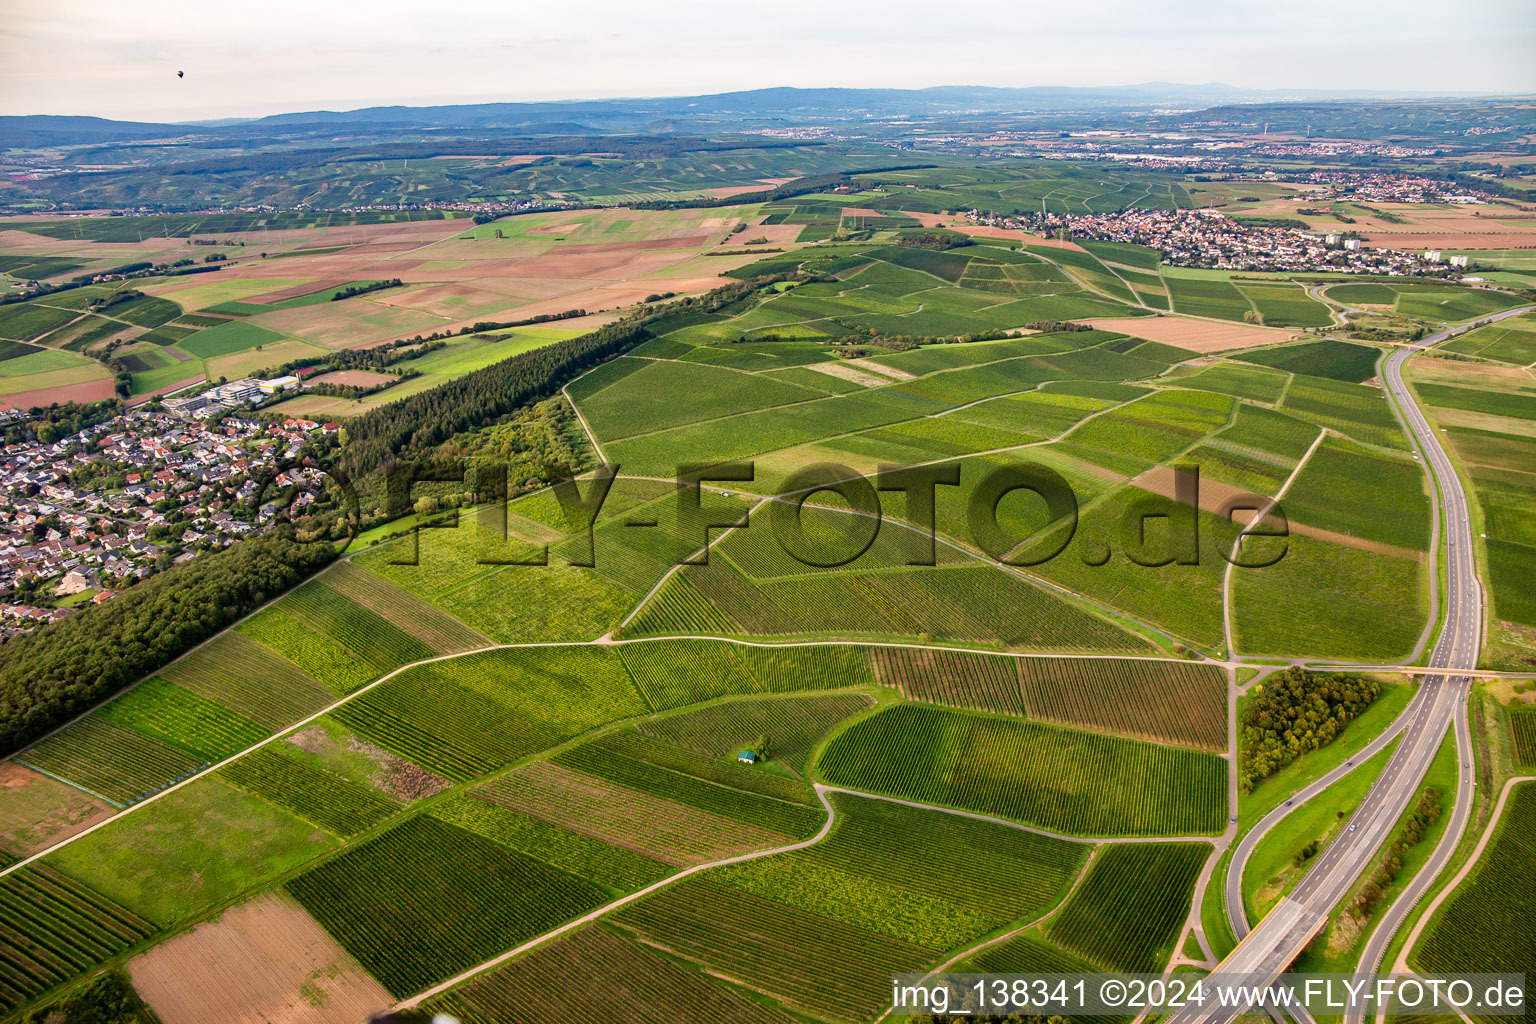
column 190, row 851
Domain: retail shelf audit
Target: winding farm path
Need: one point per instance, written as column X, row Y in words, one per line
column 822, row 791
column 1460, row 876
column 608, row 908
column 1258, row 517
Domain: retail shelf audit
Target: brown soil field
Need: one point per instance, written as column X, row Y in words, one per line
column 263, row 962
column 354, row 378
column 28, row 242
column 1160, row 480
column 1194, row 334
column 777, row 234
column 848, row 373
column 885, row 371
column 610, row 266
column 350, row 324
column 502, row 161
column 638, row 245
column 294, row 291
column 36, row 811
column 452, row 300
column 609, row 296
column 1410, row 240
column 90, row 391
column 554, row 229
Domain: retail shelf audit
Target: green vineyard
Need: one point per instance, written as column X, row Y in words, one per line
column 1130, row 910
column 1053, row 778
column 1489, row 921
column 426, row 900
column 109, row 761
column 52, row 929
column 552, row 985
column 340, row 807
column 791, row 726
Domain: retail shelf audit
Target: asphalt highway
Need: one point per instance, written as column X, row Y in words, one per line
column 1267, row 950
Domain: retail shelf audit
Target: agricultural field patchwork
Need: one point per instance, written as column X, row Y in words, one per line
column 868, row 750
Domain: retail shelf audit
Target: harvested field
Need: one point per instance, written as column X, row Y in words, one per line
column 881, row 368
column 263, row 962
column 650, row 825
column 36, row 811
column 1194, row 334
column 845, row 372
column 1160, row 480
column 354, row 378
column 89, row 391
column 725, row 191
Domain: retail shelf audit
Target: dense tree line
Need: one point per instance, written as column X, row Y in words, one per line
column 1294, row 713
column 937, row 239
column 421, row 422
column 638, row 147
column 57, row 421
column 107, row 999
column 67, row 667
column 798, row 187
column 363, row 289
column 1420, row 820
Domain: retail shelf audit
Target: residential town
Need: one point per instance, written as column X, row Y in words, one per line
column 92, row 513
column 1367, row 186
column 1206, row 238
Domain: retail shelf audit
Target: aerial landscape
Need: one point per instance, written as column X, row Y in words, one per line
column 495, row 535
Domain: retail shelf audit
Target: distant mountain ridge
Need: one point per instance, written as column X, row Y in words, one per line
column 631, row 114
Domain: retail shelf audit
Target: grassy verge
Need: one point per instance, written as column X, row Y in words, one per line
column 1337, row 947
column 1213, row 911
column 1277, row 862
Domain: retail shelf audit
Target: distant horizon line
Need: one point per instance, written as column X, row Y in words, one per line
column 1275, row 94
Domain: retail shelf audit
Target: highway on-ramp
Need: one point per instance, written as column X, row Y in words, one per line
column 1267, row 950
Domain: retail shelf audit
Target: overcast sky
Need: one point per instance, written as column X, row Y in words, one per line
column 119, row 59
